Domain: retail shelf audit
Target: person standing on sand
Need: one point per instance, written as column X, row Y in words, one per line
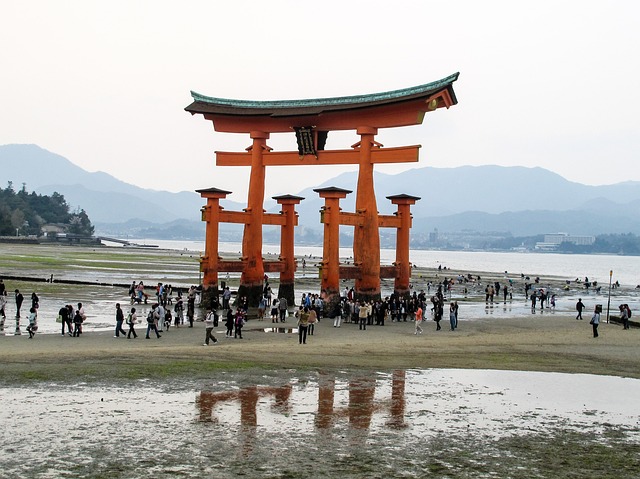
column 624, row 316
column 119, row 321
column 313, row 317
column 191, row 308
column 19, row 300
column 230, row 323
column 274, row 311
column 303, row 324
column 179, row 310
column 579, row 308
column 209, row 325
column 452, row 316
column 77, row 324
column 65, row 319
column 131, row 321
column 239, row 323
column 33, row 322
column 336, row 314
column 282, row 307
column 82, row 314
column 595, row 321
column 3, row 316
column 418, row 320
column 533, row 301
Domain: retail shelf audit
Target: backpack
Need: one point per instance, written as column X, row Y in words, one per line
column 129, row 318
column 150, row 318
column 628, row 310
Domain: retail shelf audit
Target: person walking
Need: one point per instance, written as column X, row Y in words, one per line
column 303, row 324
column 33, row 322
column 152, row 321
column 579, row 307
column 595, row 321
column 131, row 322
column 209, row 325
column 418, row 320
column 119, row 321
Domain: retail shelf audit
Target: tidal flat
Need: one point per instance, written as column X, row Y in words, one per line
column 508, row 394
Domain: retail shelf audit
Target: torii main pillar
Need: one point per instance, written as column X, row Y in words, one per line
column 366, row 237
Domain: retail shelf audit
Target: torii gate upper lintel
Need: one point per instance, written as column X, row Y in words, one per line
column 312, row 120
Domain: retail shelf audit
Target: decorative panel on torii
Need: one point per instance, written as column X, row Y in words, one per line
column 312, row 120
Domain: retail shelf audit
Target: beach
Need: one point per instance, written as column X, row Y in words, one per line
column 507, row 335
column 541, row 343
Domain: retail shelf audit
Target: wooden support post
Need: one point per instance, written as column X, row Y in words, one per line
column 209, row 262
column 403, row 279
column 253, row 273
column 330, row 273
column 366, row 238
column 286, row 289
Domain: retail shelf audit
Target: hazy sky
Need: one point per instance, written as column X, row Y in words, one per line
column 105, row 83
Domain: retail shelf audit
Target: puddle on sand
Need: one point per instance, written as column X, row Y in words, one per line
column 309, row 424
column 281, row 330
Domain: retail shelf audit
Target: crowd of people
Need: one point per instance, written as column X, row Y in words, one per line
column 174, row 308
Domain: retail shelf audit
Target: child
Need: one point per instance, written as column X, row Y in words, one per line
column 33, row 322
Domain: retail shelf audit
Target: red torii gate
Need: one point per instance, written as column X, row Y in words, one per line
column 312, row 120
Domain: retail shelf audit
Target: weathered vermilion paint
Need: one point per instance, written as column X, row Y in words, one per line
column 211, row 215
column 403, row 277
column 330, row 272
column 366, row 237
column 287, row 250
column 365, row 114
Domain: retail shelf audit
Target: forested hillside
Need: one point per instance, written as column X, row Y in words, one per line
column 24, row 214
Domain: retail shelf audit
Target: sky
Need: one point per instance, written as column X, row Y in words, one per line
column 552, row 84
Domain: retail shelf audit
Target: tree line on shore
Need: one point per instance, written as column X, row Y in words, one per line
column 24, row 213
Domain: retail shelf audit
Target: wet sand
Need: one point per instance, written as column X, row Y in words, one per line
column 542, row 343
column 510, row 340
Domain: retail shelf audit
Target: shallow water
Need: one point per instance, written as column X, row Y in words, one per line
column 303, row 424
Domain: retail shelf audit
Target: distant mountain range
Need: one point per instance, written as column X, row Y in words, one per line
column 513, row 200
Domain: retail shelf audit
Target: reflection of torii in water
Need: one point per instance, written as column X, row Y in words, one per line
column 248, row 398
column 361, row 405
column 359, row 411
column 206, row 401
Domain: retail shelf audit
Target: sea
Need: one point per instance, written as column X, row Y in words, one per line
column 596, row 267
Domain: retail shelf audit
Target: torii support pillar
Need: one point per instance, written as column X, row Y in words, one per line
column 209, row 262
column 403, row 279
column 330, row 272
column 366, row 237
column 286, row 289
column 253, row 273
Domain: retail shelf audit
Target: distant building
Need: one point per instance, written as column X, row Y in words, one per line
column 553, row 241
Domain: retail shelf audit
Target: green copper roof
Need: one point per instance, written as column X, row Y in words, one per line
column 204, row 103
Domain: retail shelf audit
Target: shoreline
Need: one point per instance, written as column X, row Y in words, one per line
column 507, row 336
column 547, row 344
